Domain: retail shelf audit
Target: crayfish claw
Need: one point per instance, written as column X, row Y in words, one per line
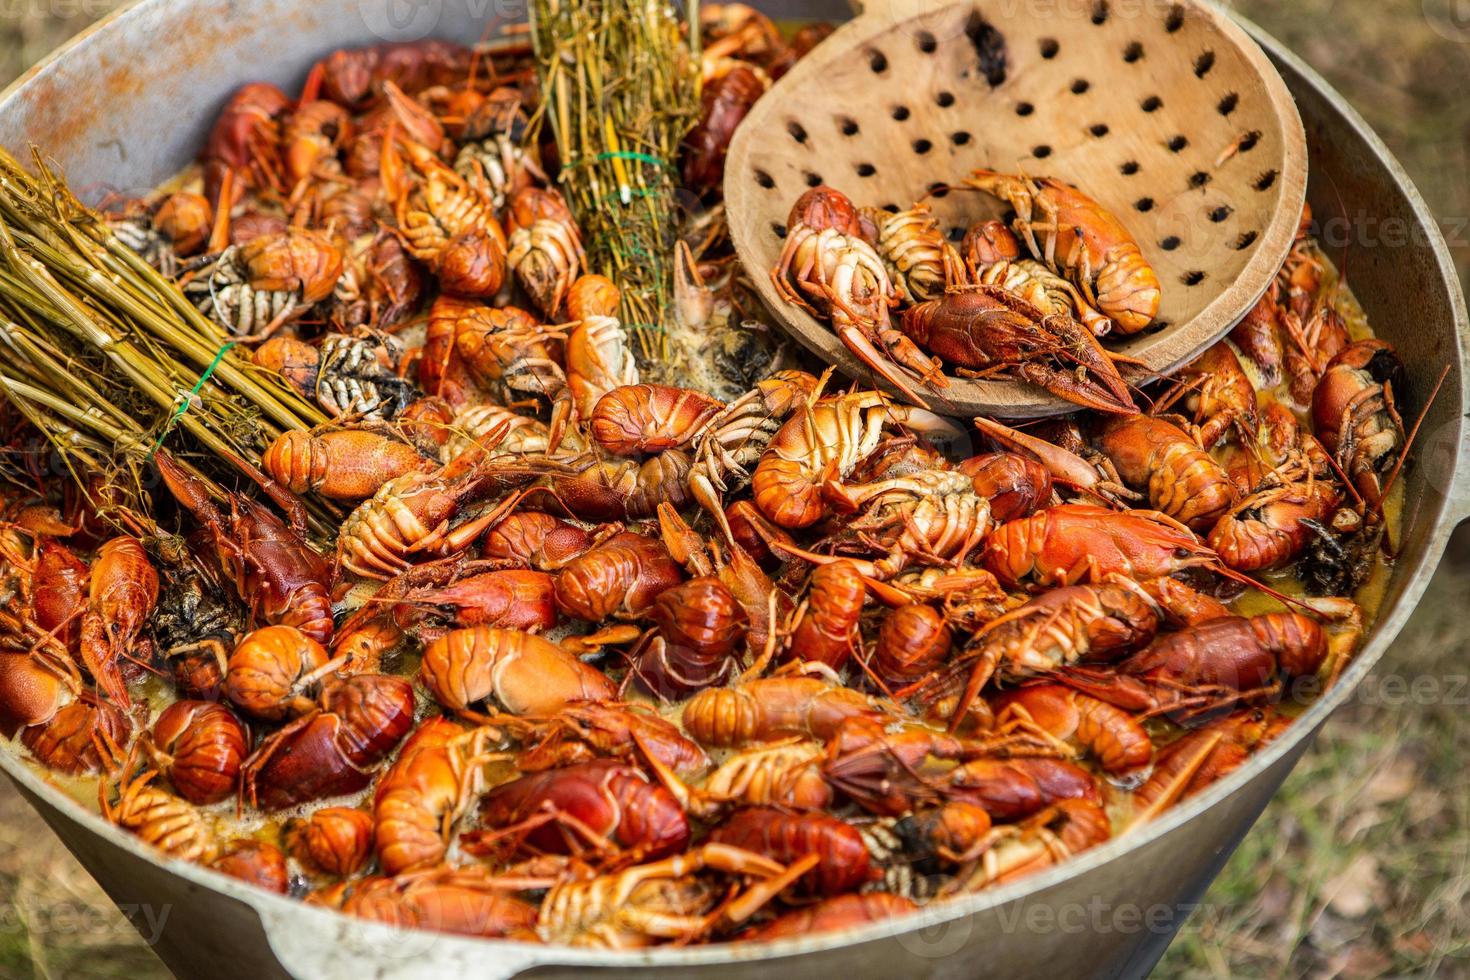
column 1080, row 391
column 860, row 345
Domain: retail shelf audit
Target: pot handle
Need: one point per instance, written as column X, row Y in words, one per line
column 319, row 944
column 1441, row 452
column 1459, row 490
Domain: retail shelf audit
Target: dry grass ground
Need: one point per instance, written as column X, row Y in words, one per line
column 55, row 922
column 1361, row 866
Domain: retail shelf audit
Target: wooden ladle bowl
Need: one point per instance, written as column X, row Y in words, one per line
column 1167, row 114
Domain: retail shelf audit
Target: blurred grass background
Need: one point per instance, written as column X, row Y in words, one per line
column 1359, row 869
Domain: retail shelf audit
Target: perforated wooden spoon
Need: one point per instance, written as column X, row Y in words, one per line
column 1167, row 114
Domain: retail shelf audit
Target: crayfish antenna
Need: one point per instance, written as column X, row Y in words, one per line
column 1259, row 586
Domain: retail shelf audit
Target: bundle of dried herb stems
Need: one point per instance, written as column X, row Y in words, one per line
column 620, row 85
column 107, row 358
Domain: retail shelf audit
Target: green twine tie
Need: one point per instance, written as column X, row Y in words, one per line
column 188, row 399
column 628, row 155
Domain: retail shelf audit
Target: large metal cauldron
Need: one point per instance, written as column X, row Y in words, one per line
column 126, row 105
